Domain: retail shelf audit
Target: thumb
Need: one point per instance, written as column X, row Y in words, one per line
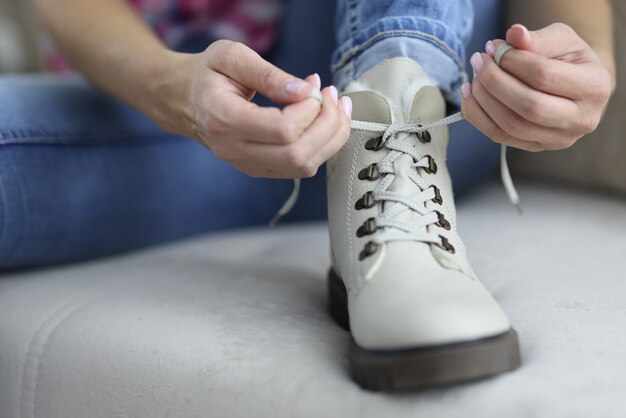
column 553, row 41
column 243, row 65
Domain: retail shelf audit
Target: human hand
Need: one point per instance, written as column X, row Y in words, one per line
column 261, row 141
column 547, row 93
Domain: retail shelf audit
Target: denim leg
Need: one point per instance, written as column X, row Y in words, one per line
column 434, row 33
column 431, row 32
column 83, row 176
column 472, row 157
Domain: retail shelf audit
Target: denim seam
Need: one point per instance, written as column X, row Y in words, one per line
column 25, row 137
column 354, row 51
column 17, row 132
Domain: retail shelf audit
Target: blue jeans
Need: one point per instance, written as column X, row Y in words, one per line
column 83, row 176
column 431, row 32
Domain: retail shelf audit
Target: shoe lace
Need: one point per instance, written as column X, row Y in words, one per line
column 414, row 230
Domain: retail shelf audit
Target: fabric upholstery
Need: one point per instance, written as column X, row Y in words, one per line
column 234, row 325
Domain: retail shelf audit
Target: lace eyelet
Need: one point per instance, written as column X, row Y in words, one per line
column 445, row 244
column 370, row 173
column 442, row 221
column 368, row 228
column 370, row 249
column 424, row 137
column 375, row 144
column 432, row 166
column 437, row 199
column 365, row 202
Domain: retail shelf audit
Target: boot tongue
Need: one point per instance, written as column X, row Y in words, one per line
column 398, row 80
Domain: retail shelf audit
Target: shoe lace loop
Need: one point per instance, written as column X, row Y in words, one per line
column 399, row 230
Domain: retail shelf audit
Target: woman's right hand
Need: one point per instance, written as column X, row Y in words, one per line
column 212, row 94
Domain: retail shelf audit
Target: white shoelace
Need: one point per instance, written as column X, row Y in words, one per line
column 414, row 230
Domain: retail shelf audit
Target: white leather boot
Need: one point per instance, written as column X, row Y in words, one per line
column 400, row 278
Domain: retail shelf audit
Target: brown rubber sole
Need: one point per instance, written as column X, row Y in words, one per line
column 420, row 368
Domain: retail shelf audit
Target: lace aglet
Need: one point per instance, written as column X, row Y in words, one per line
column 519, row 209
column 288, row 205
column 276, row 219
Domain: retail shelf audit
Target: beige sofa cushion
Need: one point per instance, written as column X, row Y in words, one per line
column 235, row 325
column 596, row 161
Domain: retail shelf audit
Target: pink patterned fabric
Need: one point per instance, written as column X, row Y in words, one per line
column 252, row 22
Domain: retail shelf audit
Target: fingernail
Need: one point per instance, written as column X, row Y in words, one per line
column 295, row 86
column 318, row 81
column 477, row 62
column 334, row 94
column 466, row 90
column 346, row 102
column 490, row 48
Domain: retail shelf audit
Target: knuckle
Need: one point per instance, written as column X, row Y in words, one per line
column 217, row 46
column 564, row 28
column 296, row 158
column 309, row 170
column 568, row 142
column 588, row 124
column 601, row 91
column 535, row 147
column 228, row 55
column 514, row 126
column 564, row 143
column 302, row 163
column 544, row 76
column 233, row 48
column 531, row 108
column 496, row 135
column 267, row 77
column 287, row 134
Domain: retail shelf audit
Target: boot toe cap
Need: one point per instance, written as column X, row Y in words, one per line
column 411, row 312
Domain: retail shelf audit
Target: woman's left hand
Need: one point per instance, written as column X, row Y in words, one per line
column 548, row 92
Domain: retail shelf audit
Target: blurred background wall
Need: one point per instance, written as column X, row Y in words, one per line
column 19, row 37
column 598, row 161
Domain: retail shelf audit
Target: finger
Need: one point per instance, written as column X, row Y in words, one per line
column 547, row 75
column 252, row 123
column 299, row 116
column 296, row 118
column 474, row 114
column 240, row 63
column 534, row 106
column 299, row 159
column 342, row 134
column 554, row 41
column 328, row 150
column 515, row 126
column 329, row 129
